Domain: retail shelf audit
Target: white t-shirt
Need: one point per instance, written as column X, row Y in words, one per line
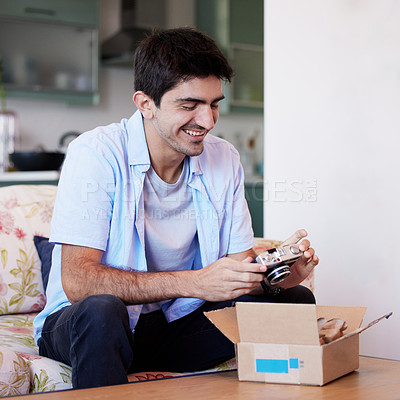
column 170, row 230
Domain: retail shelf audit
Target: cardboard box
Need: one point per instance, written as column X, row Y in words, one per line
column 279, row 343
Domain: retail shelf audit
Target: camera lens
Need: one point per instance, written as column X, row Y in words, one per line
column 277, row 274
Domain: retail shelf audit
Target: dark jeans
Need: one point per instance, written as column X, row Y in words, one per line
column 94, row 337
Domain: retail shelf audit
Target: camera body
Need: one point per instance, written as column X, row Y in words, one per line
column 278, row 262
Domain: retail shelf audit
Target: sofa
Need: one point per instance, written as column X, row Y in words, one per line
column 25, row 257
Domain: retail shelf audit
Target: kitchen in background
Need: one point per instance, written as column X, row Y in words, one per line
column 59, row 83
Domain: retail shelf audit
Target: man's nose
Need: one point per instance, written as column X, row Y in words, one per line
column 207, row 117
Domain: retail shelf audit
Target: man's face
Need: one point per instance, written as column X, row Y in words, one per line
column 187, row 113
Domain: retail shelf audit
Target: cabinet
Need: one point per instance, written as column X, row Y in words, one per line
column 50, row 49
column 237, row 26
column 254, row 192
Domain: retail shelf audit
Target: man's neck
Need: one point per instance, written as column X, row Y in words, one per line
column 167, row 174
column 166, row 162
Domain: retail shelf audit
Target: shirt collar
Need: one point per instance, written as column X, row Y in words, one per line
column 194, row 166
column 138, row 153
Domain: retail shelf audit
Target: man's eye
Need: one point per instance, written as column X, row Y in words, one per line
column 189, row 108
column 215, row 106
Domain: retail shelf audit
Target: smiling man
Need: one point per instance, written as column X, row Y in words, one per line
column 151, row 228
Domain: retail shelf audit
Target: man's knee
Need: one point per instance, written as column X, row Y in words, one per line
column 103, row 309
column 89, row 322
column 103, row 303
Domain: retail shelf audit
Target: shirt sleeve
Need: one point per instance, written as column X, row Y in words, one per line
column 85, row 197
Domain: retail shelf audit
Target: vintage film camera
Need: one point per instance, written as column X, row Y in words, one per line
column 278, row 262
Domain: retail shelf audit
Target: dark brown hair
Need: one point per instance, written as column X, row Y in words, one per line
column 167, row 58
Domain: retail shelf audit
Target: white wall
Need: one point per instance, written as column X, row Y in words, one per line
column 331, row 149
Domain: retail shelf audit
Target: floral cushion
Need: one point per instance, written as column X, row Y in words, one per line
column 25, row 211
column 43, row 374
column 14, row 373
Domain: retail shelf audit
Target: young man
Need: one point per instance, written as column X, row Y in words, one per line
column 152, row 228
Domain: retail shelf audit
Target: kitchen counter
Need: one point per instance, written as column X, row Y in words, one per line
column 29, row 177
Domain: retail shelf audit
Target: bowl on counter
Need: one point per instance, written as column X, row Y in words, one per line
column 37, row 160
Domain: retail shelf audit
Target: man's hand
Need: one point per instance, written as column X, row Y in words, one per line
column 304, row 265
column 228, row 278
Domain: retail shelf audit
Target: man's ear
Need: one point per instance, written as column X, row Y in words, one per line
column 144, row 104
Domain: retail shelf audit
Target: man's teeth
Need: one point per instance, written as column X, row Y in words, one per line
column 194, row 133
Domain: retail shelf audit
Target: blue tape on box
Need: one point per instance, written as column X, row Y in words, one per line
column 276, row 366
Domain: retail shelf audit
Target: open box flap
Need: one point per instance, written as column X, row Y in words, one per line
column 352, row 315
column 364, row 327
column 277, row 323
column 225, row 320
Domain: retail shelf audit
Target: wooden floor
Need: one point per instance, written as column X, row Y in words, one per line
column 376, row 379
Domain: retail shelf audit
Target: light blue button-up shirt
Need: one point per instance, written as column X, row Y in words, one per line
column 99, row 204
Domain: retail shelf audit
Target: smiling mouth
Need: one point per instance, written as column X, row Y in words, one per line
column 191, row 132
